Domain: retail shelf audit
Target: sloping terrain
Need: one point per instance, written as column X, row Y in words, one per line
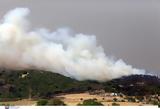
column 41, row 84
column 136, row 85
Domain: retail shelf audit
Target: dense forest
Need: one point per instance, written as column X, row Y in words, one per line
column 19, row 84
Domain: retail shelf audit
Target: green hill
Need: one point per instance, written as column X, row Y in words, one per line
column 41, row 84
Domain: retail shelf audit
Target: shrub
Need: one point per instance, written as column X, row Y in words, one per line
column 130, row 99
column 56, row 102
column 156, row 103
column 115, row 104
column 121, row 95
column 90, row 102
column 122, row 100
column 115, row 99
column 81, row 99
column 42, row 102
column 140, row 98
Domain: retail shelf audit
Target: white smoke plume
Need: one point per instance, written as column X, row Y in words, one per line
column 73, row 55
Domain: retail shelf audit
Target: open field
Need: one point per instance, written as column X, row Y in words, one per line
column 26, row 102
column 74, row 99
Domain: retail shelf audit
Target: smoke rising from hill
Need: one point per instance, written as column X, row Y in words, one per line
column 62, row 51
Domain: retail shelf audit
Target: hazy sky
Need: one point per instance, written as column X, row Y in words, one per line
column 127, row 29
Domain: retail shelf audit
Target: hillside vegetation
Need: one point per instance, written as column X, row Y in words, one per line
column 37, row 84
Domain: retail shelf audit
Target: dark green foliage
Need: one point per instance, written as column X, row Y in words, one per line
column 56, row 102
column 134, row 85
column 13, row 86
column 52, row 102
column 39, row 84
column 156, row 103
column 90, row 102
column 43, row 84
column 42, row 102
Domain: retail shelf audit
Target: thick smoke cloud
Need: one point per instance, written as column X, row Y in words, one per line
column 62, row 51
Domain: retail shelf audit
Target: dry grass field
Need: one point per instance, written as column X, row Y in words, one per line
column 74, row 99
column 24, row 102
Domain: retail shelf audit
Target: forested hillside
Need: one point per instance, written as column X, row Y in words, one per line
column 41, row 84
